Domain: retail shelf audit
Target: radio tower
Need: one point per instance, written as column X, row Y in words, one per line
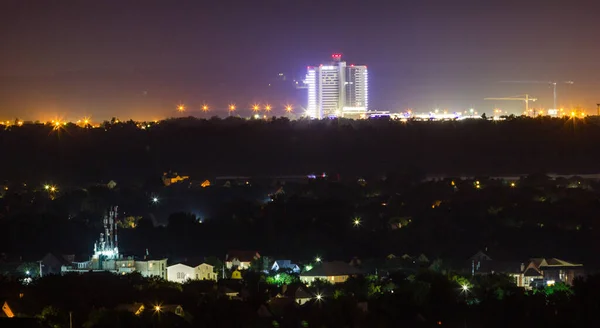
column 107, row 245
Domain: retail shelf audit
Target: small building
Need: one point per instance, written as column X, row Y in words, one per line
column 240, row 259
column 334, row 272
column 236, row 275
column 152, row 268
column 285, row 265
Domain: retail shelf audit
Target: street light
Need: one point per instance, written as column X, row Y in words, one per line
column 356, row 222
column 288, row 108
column 231, row 108
column 181, row 108
column 155, row 200
column 255, row 108
column 268, row 108
column 205, row 108
column 317, row 259
column 319, row 297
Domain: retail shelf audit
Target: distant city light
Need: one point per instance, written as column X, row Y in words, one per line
column 319, row 297
column 180, row 108
column 356, row 222
column 288, row 108
column 255, row 108
column 465, row 288
column 205, row 108
column 155, row 200
column 268, row 108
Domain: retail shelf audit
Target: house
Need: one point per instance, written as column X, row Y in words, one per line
column 285, row 265
column 240, row 259
column 548, row 271
column 236, row 275
column 173, row 178
column 52, row 263
column 152, row 268
column 7, row 311
column 298, row 292
column 135, row 308
column 333, row 272
column 181, row 272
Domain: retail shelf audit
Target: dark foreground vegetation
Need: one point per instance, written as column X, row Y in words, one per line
column 428, row 298
column 125, row 152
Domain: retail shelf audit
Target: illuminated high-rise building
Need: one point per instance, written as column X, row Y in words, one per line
column 335, row 89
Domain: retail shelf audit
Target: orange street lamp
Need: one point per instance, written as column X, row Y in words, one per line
column 231, row 108
column 288, row 108
column 205, row 108
column 181, row 108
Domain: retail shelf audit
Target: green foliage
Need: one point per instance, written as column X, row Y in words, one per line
column 558, row 288
column 52, row 317
column 281, row 278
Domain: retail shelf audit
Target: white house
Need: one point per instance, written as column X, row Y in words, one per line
column 182, row 272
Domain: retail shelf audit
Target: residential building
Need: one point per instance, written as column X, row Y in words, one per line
column 285, row 265
column 240, row 259
column 337, row 90
column 181, row 272
column 333, row 272
column 537, row 272
column 549, row 271
column 152, row 268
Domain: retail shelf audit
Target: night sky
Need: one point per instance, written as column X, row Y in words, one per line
column 140, row 59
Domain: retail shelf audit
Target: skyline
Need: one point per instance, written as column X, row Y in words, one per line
column 65, row 61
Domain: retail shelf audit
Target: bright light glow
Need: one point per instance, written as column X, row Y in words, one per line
column 317, row 259
column 327, row 68
column 27, row 272
column 46, row 187
column 180, row 108
column 155, row 200
column 255, row 107
column 319, row 297
column 157, row 308
column 512, row 184
column 356, row 222
column 288, row 108
column 232, row 107
column 205, row 108
column 550, row 283
column 268, row 108
column 465, row 288
column 53, row 189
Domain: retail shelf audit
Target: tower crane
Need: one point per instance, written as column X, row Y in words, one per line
column 526, row 98
column 552, row 83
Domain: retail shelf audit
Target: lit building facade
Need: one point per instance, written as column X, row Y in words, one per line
column 336, row 90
